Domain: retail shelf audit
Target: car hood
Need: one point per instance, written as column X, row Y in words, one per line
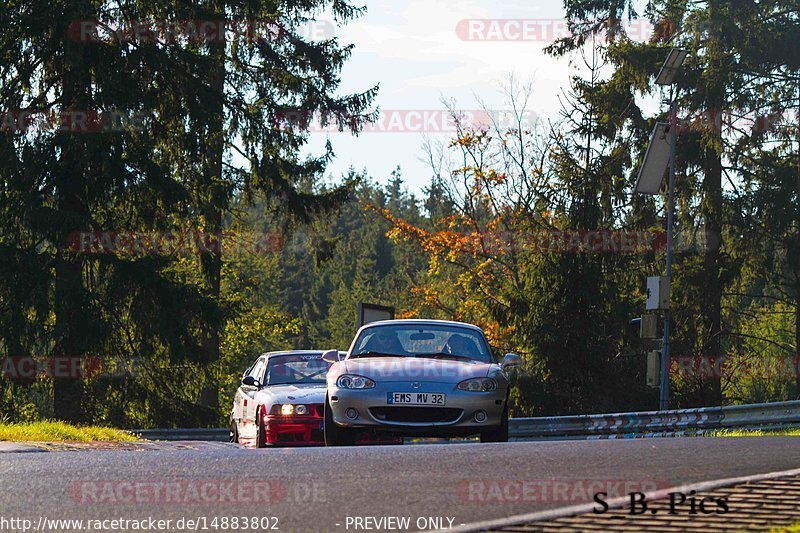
column 296, row 393
column 416, row 368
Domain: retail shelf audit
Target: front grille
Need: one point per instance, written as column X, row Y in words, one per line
column 416, row 414
column 314, row 435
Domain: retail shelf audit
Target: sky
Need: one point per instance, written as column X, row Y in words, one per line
column 423, row 52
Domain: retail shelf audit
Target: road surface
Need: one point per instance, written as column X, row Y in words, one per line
column 364, row 488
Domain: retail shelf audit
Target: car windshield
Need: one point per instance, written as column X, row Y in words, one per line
column 290, row 369
column 435, row 341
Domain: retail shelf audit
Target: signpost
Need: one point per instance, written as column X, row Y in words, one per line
column 661, row 151
column 372, row 313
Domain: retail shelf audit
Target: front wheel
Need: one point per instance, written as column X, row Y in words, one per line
column 233, row 434
column 336, row 435
column 261, row 437
column 498, row 434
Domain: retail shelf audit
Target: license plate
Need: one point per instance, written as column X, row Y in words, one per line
column 415, row 398
column 322, row 426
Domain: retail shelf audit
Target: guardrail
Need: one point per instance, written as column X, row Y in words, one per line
column 206, row 434
column 775, row 415
column 676, row 422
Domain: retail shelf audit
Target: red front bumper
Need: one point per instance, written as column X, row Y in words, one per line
column 294, row 430
column 308, row 431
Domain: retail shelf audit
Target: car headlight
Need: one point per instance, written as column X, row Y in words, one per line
column 352, row 381
column 289, row 409
column 478, row 385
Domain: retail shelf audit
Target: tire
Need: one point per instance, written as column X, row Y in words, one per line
column 336, row 435
column 261, row 436
column 498, row 434
column 233, row 435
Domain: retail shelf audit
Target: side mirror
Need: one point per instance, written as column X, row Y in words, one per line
column 511, row 360
column 331, row 356
column 250, row 381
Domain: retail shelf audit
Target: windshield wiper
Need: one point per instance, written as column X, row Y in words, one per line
column 439, row 355
column 374, row 354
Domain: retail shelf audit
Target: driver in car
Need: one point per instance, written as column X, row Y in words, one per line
column 280, row 373
column 460, row 345
column 384, row 342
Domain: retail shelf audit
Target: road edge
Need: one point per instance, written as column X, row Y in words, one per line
column 16, row 447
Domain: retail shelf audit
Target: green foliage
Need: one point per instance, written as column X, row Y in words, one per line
column 736, row 182
column 214, row 135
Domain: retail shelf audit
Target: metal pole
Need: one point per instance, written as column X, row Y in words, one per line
column 663, row 400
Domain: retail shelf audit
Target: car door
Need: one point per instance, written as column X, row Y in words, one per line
column 244, row 405
column 236, row 412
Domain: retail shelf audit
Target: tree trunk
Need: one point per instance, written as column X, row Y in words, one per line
column 712, row 301
column 796, row 361
column 796, row 253
column 711, row 209
column 214, row 200
column 71, row 326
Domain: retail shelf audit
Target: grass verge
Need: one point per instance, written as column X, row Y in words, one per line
column 50, row 430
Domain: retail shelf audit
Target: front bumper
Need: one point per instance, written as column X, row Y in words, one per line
column 456, row 417
column 308, row 431
column 294, row 430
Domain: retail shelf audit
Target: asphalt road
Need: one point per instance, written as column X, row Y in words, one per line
column 317, row 489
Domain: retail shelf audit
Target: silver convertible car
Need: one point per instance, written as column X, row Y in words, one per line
column 429, row 378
